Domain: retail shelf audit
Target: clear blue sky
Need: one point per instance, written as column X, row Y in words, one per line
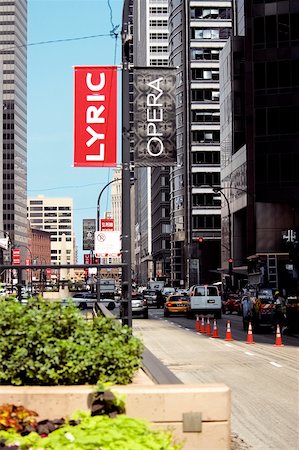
column 50, row 98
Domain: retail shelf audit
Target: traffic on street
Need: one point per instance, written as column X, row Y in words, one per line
column 263, row 376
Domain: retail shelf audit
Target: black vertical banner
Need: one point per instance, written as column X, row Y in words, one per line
column 154, row 116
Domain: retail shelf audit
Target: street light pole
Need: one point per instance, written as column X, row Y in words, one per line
column 98, row 229
column 230, row 258
column 99, row 200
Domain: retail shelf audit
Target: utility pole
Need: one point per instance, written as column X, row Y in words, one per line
column 126, row 306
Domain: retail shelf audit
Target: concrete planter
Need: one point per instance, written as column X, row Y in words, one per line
column 197, row 414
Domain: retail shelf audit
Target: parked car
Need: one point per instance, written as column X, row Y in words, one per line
column 176, row 304
column 139, row 306
column 232, row 304
column 150, row 295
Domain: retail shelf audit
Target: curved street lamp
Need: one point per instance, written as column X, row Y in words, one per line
column 99, row 200
column 219, row 190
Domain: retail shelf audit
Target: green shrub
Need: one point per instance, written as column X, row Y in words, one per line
column 44, row 343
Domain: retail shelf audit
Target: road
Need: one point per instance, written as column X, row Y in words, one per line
column 264, row 379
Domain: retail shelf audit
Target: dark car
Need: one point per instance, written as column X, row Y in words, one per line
column 232, row 304
column 139, row 306
column 150, row 296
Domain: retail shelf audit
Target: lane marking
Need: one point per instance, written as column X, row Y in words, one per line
column 275, row 364
column 249, row 353
column 229, row 345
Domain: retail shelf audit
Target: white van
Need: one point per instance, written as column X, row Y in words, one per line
column 205, row 299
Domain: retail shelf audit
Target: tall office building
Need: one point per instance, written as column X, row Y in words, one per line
column 259, row 122
column 198, row 31
column 152, row 223
column 55, row 215
column 13, row 141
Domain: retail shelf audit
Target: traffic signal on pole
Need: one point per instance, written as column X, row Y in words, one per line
column 230, row 260
column 200, row 241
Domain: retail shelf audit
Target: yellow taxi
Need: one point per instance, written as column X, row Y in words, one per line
column 176, row 304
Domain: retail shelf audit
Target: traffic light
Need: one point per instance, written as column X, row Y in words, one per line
column 200, row 241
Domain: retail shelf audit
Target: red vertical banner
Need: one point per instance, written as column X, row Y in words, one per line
column 95, row 116
column 16, row 257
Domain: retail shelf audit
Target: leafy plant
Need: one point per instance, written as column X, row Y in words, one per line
column 97, row 432
column 46, row 343
column 17, row 418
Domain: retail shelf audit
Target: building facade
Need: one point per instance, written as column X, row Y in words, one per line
column 13, row 160
column 152, row 221
column 259, row 110
column 198, row 32
column 55, row 215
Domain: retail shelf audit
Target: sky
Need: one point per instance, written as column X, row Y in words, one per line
column 50, row 98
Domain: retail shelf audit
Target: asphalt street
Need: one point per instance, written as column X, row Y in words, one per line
column 264, row 378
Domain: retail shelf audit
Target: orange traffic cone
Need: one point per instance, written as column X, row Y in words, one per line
column 278, row 341
column 228, row 336
column 202, row 326
column 249, row 335
column 197, row 323
column 208, row 327
column 215, row 330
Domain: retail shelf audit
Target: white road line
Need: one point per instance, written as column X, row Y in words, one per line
column 228, row 345
column 249, row 353
column 275, row 364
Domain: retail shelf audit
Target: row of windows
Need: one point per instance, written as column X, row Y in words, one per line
column 158, row 23
column 276, row 74
column 205, row 117
column 204, row 95
column 158, row 36
column 8, row 126
column 158, row 10
column 210, row 13
column 206, row 222
column 158, row 48
column 276, row 121
column 206, row 158
column 205, row 74
column 206, row 200
column 8, row 146
column 205, row 137
column 277, row 30
column 205, row 54
column 200, row 179
column 47, row 208
column 158, row 62
column 277, row 168
column 8, row 176
column 214, row 33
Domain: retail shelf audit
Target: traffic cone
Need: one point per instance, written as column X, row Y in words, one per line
column 208, row 327
column 202, row 326
column 215, row 330
column 278, row 341
column 228, row 336
column 197, row 324
column 250, row 335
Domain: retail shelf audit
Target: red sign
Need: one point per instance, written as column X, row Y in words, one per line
column 95, row 116
column 87, row 259
column 27, row 263
column 107, row 224
column 16, row 256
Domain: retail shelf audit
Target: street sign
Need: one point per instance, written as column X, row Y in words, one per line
column 16, row 256
column 107, row 244
column 107, row 224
